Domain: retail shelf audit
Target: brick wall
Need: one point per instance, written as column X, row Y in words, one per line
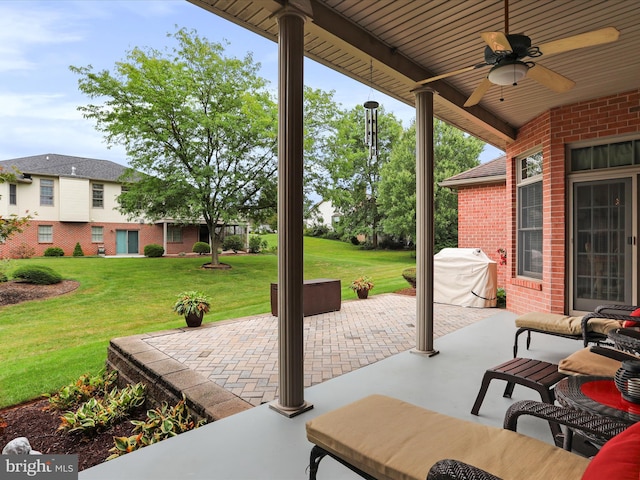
column 482, row 222
column 66, row 235
column 599, row 118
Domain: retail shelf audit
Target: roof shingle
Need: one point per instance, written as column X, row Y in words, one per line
column 66, row 166
column 492, row 171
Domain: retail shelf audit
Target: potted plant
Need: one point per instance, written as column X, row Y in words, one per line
column 193, row 305
column 361, row 286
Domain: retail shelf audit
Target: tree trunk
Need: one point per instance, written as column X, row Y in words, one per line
column 215, row 243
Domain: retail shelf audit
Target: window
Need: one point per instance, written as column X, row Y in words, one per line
column 529, row 195
column 174, row 234
column 97, row 234
column 98, row 195
column 45, row 233
column 46, row 192
column 13, row 194
column 619, row 154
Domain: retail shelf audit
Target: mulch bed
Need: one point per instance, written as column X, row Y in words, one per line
column 407, row 291
column 40, row 425
column 16, row 292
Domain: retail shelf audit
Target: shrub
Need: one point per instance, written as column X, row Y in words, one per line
column 77, row 251
column 354, row 240
column 153, row 250
column 501, row 295
column 38, row 274
column 392, row 243
column 5, row 264
column 409, row 274
column 257, row 244
column 54, row 252
column 201, row 248
column 24, row 250
column 161, row 423
column 233, row 242
column 99, row 414
column 81, row 390
column 318, row 230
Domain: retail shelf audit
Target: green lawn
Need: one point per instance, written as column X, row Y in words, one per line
column 46, row 344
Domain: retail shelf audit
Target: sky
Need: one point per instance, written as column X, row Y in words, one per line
column 40, row 39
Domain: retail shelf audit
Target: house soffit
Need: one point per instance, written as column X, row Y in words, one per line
column 407, row 41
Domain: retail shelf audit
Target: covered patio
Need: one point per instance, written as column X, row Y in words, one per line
column 398, row 47
column 259, row 443
column 554, row 101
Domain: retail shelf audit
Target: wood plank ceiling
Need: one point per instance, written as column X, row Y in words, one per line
column 410, row 40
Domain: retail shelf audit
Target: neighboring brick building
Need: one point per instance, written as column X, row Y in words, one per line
column 569, row 216
column 72, row 200
column 481, row 210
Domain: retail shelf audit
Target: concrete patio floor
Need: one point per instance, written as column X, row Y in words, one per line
column 260, row 443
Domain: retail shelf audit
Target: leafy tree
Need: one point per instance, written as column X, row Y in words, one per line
column 199, row 129
column 398, row 188
column 454, row 152
column 13, row 223
column 350, row 176
column 320, row 115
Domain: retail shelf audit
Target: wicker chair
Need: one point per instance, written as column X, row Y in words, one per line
column 614, row 312
column 626, row 339
column 604, row 428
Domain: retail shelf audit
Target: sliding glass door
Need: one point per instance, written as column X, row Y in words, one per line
column 603, row 243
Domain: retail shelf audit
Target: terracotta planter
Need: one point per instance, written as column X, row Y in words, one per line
column 194, row 319
column 362, row 294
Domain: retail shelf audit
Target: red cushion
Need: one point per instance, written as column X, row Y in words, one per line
column 618, row 459
column 629, row 323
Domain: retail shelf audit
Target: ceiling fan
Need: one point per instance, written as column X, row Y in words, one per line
column 506, row 52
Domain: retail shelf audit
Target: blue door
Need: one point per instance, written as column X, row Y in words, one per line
column 126, row 242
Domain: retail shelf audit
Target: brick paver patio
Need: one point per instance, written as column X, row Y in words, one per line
column 241, row 355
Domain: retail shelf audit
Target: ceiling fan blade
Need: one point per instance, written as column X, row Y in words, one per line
column 497, row 41
column 451, row 74
column 550, row 79
column 589, row 39
column 478, row 93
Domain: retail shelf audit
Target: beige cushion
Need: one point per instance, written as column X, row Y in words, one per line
column 585, row 362
column 603, row 325
column 556, row 323
column 392, row 439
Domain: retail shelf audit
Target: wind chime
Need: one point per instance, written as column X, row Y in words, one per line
column 371, row 123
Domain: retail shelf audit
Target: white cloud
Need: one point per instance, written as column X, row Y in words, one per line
column 25, row 30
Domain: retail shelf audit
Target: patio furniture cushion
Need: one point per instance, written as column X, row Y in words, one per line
column 631, row 323
column 392, row 439
column 585, row 362
column 564, row 324
column 618, row 458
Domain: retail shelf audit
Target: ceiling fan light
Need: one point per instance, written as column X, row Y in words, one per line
column 508, row 73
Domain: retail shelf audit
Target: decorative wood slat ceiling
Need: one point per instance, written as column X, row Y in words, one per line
column 410, row 40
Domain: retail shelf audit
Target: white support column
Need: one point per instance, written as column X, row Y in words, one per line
column 165, row 232
column 424, row 221
column 290, row 213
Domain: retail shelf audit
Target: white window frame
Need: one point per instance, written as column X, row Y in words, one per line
column 97, row 234
column 174, row 234
column 46, row 199
column 527, row 178
column 13, row 194
column 45, row 233
column 97, row 195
